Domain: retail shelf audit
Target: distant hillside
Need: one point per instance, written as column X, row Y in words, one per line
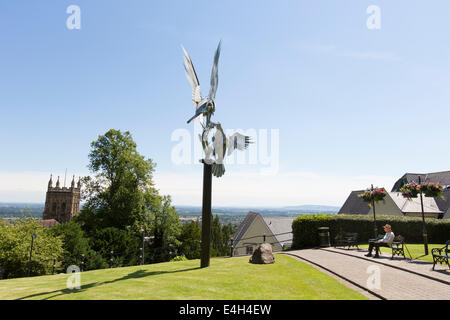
column 10, row 210
column 264, row 211
column 314, row 208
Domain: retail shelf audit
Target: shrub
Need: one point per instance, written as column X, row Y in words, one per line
column 179, row 258
column 305, row 228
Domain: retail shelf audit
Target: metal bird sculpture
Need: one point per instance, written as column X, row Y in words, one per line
column 204, row 106
column 214, row 142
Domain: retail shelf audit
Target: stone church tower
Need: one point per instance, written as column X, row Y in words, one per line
column 62, row 203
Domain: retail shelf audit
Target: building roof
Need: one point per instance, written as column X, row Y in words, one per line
column 443, row 204
column 354, row 204
column 48, row 223
column 414, row 205
column 274, row 225
column 443, row 178
column 243, row 227
column 281, row 229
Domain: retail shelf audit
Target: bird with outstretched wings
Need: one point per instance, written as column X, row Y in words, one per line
column 216, row 145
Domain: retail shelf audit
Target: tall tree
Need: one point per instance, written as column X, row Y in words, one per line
column 122, row 202
column 165, row 227
column 216, row 237
column 115, row 195
column 190, row 239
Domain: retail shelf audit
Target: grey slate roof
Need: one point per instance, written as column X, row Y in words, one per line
column 281, row 225
column 443, row 204
column 443, row 178
column 355, row 205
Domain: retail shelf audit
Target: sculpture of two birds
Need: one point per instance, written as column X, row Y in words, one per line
column 216, row 143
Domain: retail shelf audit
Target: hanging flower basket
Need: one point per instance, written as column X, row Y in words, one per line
column 410, row 190
column 374, row 195
column 431, row 189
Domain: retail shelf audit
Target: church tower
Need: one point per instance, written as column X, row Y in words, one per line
column 62, row 203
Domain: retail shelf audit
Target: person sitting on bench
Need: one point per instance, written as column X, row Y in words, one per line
column 385, row 242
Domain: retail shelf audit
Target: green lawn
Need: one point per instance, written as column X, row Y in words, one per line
column 226, row 278
column 417, row 251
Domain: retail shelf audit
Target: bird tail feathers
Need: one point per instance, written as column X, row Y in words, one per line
column 218, row 170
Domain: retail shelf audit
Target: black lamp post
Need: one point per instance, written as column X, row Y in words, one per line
column 54, row 265
column 142, row 230
column 231, row 246
column 374, row 215
column 33, row 236
column 424, row 229
column 82, row 262
column 111, row 260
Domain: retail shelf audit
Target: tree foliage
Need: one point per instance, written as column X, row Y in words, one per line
column 190, row 239
column 115, row 195
column 15, row 247
column 118, row 247
column 77, row 250
column 120, row 200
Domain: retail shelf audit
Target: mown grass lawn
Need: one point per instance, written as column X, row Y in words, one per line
column 226, row 278
column 417, row 251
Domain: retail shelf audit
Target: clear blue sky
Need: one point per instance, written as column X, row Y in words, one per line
column 350, row 104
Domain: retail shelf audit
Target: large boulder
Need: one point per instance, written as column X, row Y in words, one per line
column 263, row 254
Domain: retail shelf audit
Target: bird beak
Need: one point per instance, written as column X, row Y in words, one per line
column 199, row 111
column 195, row 116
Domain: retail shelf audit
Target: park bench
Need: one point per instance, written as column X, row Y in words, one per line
column 441, row 255
column 397, row 247
column 349, row 239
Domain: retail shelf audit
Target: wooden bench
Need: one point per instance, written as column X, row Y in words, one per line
column 441, row 255
column 349, row 239
column 397, row 247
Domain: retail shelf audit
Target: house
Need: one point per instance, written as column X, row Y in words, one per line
column 255, row 230
column 395, row 204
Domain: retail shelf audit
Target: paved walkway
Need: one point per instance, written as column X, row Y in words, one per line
column 382, row 278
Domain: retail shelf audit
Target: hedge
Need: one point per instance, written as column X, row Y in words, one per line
column 305, row 228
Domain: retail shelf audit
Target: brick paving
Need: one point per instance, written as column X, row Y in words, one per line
column 394, row 284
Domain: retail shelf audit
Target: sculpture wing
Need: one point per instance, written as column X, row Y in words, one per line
column 192, row 78
column 237, row 141
column 219, row 143
column 215, row 74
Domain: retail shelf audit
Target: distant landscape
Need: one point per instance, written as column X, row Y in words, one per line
column 227, row 215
